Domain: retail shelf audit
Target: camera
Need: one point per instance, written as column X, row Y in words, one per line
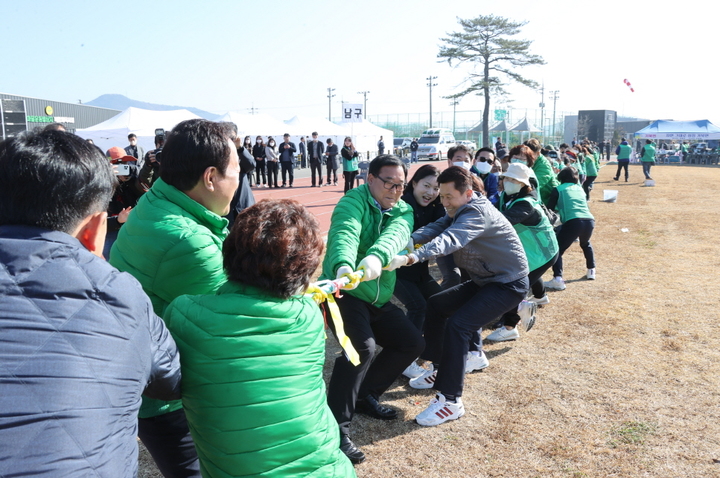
column 159, row 139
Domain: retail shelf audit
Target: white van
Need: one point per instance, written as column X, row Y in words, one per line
column 434, row 143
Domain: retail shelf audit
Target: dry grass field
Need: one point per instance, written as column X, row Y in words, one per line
column 619, row 377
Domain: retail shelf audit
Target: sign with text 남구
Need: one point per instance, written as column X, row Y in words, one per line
column 352, row 113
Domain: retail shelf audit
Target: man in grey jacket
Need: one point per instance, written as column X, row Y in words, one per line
column 81, row 343
column 487, row 248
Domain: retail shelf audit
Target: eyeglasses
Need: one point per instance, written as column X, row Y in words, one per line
column 389, row 185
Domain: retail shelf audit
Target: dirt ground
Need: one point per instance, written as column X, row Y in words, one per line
column 618, row 378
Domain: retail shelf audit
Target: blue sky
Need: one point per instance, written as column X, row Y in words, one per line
column 281, row 56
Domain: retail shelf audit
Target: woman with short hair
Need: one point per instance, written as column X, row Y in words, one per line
column 252, row 355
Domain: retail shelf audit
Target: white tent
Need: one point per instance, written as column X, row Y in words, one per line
column 261, row 124
column 365, row 136
column 114, row 132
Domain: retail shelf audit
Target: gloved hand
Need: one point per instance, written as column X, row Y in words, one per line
column 396, row 263
column 410, row 248
column 371, row 266
column 342, row 270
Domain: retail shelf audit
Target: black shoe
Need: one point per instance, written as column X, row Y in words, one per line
column 370, row 406
column 615, row 178
column 283, row 185
column 290, row 185
column 626, row 179
column 354, row 454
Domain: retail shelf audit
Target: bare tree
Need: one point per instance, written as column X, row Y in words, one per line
column 484, row 43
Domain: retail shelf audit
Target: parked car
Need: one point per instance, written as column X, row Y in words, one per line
column 401, row 146
column 434, row 143
column 469, row 144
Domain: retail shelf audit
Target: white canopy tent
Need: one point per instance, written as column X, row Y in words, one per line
column 143, row 123
column 525, row 126
column 261, row 124
column 366, row 135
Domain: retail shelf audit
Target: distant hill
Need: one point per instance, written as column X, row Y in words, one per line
column 120, row 102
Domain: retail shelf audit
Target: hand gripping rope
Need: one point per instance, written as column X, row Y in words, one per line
column 325, row 290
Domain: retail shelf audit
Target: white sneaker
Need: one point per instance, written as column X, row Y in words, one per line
column 541, row 301
column 591, row 274
column 424, row 381
column 440, row 411
column 476, row 362
column 557, row 283
column 527, row 311
column 414, row 370
column 502, row 334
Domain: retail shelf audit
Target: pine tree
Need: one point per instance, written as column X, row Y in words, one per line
column 484, row 44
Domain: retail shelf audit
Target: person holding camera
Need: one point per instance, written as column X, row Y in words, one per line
column 150, row 170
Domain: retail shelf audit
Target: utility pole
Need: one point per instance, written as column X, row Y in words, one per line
column 364, row 93
column 252, row 109
column 542, row 111
column 454, row 104
column 331, row 95
column 554, row 96
column 431, row 84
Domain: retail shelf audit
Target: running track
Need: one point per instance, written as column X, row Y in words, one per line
column 319, row 201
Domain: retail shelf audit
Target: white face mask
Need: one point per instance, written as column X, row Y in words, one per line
column 271, row 143
column 511, row 188
column 259, row 141
column 483, row 167
column 462, row 164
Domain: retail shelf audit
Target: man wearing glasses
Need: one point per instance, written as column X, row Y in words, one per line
column 484, row 162
column 369, row 226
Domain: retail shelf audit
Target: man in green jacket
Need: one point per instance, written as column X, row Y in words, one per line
column 369, row 226
column 543, row 170
column 172, row 244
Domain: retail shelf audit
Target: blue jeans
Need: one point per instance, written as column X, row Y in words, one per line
column 575, row 229
column 413, row 157
column 454, row 316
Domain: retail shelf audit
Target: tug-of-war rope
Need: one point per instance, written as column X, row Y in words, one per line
column 327, row 290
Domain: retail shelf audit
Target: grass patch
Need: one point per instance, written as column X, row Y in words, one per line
column 631, row 433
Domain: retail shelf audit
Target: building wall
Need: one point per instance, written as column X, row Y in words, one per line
column 72, row 116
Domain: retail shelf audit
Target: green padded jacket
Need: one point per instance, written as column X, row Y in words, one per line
column 173, row 246
column 252, row 385
column 545, row 176
column 357, row 229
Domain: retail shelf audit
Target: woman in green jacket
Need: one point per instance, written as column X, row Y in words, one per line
column 569, row 201
column 350, row 163
column 591, row 171
column 252, row 355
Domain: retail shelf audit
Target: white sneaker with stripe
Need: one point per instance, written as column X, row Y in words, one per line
column 440, row 411
column 426, row 380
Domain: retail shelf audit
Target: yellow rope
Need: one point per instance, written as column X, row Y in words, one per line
column 320, row 294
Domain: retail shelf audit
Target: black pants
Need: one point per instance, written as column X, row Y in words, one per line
column 349, row 179
column 303, row 161
column 588, row 185
column 167, row 438
column 259, row 171
column 621, row 165
column 414, row 294
column 331, row 172
column 272, row 172
column 368, row 326
column 511, row 317
column 454, row 317
column 287, row 168
column 575, row 229
column 316, row 166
